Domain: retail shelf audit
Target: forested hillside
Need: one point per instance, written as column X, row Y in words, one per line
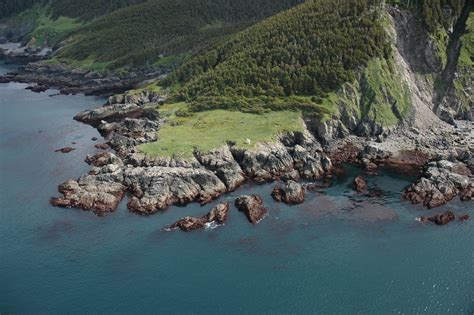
column 310, row 50
column 47, row 22
column 158, row 30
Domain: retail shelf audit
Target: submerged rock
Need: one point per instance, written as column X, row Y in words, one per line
column 440, row 219
column 360, row 184
column 291, row 193
column 102, row 146
column 65, row 150
column 252, row 206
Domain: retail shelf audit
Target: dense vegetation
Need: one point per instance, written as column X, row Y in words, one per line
column 9, row 7
column 157, row 31
column 310, row 50
column 84, row 9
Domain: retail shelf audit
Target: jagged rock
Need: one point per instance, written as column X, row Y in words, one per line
column 102, row 159
column 360, row 184
column 218, row 215
column 142, row 130
column 252, row 206
column 156, row 188
column 225, row 167
column 188, row 224
column 441, row 182
column 115, row 113
column 464, row 217
column 65, row 150
column 292, row 193
column 440, row 219
column 265, row 163
column 90, row 193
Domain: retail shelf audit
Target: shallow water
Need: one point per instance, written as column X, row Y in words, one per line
column 336, row 253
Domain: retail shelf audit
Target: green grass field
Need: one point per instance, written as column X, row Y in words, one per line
column 208, row 130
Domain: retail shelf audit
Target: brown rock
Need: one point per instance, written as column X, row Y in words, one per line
column 188, row 224
column 65, row 150
column 464, row 218
column 292, row 193
column 360, row 184
column 102, row 146
column 253, row 207
column 102, row 159
column 218, row 214
column 443, row 218
column 466, row 195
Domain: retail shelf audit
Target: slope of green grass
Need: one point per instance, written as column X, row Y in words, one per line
column 203, row 131
column 49, row 31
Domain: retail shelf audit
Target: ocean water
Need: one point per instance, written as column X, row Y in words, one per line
column 338, row 253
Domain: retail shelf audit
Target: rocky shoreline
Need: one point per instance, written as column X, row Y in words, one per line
column 44, row 75
column 443, row 161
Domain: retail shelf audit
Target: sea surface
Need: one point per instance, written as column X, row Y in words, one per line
column 338, row 253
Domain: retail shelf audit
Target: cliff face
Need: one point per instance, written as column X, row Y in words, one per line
column 426, row 81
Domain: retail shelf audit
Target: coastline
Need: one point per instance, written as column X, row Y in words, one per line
column 441, row 158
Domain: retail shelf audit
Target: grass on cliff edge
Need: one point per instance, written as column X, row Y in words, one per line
column 205, row 131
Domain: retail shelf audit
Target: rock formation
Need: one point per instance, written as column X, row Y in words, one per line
column 291, row 193
column 360, row 184
column 218, row 215
column 252, row 206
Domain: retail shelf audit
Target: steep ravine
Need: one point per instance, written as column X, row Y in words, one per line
column 445, row 82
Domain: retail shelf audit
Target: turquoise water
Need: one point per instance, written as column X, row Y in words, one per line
column 336, row 253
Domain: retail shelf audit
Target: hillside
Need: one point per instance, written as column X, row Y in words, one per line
column 306, row 58
column 47, row 22
column 164, row 31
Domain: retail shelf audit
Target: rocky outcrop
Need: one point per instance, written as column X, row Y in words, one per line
column 156, row 188
column 441, row 181
column 187, row 224
column 115, row 113
column 74, row 81
column 102, row 159
column 90, row 193
column 360, row 184
column 217, row 215
column 21, row 55
column 440, row 219
column 291, row 193
column 222, row 163
column 253, row 207
column 37, row 88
